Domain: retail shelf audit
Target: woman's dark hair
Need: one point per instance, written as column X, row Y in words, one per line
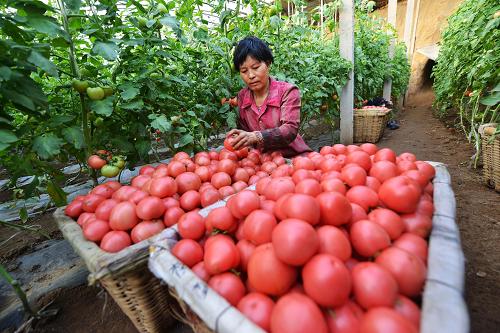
column 254, row 47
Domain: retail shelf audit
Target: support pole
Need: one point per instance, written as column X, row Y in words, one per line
column 391, row 19
column 346, row 35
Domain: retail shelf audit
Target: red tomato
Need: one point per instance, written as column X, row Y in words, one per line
column 269, row 275
column 405, row 165
column 150, row 208
column 239, row 186
column 335, row 209
column 269, row 167
column 279, row 160
column 408, row 270
column 390, row 221
column 213, row 155
column 408, row 157
column 385, row 320
column 103, row 190
column 333, row 241
column 220, row 179
column 303, row 207
column 363, row 196
column 258, row 308
column 418, row 224
column 147, row 170
column 113, row 184
column 307, row 316
column 228, row 286
column 245, row 249
column 124, row 193
column 240, row 174
column 301, row 162
column 385, row 154
column 309, row 187
column 358, row 214
column 373, row 285
column 360, row 158
column 176, row 168
column 353, row 175
column 163, row 187
column 413, row 244
column 191, row 226
column 91, row 201
column 220, row 218
column 400, row 194
column 188, row 251
column 161, row 171
column 244, row 203
column 322, row 272
column 295, row 241
column 187, row 181
column 115, row 241
column 278, row 187
column 345, row 318
column 383, row 170
column 368, row 238
column 418, row 176
column 204, row 173
column 137, row 196
column 95, row 162
column 373, row 183
column 139, row 181
column 330, row 164
column 170, row 202
column 425, row 207
column 146, row 229
column 85, row 218
column 180, row 156
column 228, row 166
column 325, row 150
column 369, row 148
column 74, row 209
column 202, row 160
column 200, row 270
column 226, row 191
column 209, row 197
column 408, row 309
column 190, row 200
column 123, row 216
column 333, row 185
column 258, row 226
column 95, row 230
column 268, row 205
column 221, row 254
column 301, row 174
column 261, row 185
column 172, row 216
column 339, row 149
column 226, row 154
column 427, row 169
column 104, row 209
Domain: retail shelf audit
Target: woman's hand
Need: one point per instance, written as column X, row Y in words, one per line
column 240, row 139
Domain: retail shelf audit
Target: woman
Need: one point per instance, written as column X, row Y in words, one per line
column 269, row 110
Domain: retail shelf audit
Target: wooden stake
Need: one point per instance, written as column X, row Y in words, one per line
column 346, row 35
column 391, row 19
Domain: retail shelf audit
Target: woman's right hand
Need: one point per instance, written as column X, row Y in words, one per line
column 240, row 139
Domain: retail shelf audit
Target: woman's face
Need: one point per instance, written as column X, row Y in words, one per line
column 255, row 74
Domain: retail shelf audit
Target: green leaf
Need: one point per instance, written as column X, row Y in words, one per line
column 59, row 120
column 133, row 105
column 143, row 148
column 73, row 5
column 497, row 87
column 491, row 100
column 45, row 25
column 23, row 214
column 56, row 194
column 5, row 73
column 107, row 50
column 6, row 138
column 231, row 120
column 104, row 107
column 39, row 60
column 172, row 22
column 160, row 123
column 129, row 92
column 47, row 145
column 185, row 140
column 74, row 136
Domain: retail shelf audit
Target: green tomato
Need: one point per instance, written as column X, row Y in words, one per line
column 84, row 72
column 273, row 10
column 162, row 9
column 96, row 93
column 120, row 163
column 80, row 86
column 142, row 21
column 110, row 171
column 108, row 91
column 98, row 122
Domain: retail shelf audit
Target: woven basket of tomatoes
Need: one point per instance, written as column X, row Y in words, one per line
column 353, row 237
column 490, row 148
column 112, row 226
column 369, row 123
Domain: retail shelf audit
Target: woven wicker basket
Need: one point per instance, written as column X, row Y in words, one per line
column 491, row 156
column 125, row 275
column 369, row 124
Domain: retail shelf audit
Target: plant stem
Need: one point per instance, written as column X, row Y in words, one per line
column 17, row 288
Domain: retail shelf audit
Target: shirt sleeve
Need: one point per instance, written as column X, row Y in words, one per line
column 241, row 123
column 282, row 136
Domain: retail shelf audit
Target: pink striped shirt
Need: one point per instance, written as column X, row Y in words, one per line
column 278, row 118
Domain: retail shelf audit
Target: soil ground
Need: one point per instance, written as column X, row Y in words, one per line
column 87, row 309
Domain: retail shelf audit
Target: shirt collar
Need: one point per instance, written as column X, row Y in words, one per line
column 272, row 99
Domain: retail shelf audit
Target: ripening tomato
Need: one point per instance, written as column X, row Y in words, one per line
column 385, row 320
column 187, row 181
column 413, row 244
column 103, row 190
column 220, row 218
column 418, row 224
column 140, row 180
column 301, row 162
column 426, row 169
column 400, row 194
column 373, row 285
column 228, row 166
column 307, row 316
column 345, row 318
column 150, row 208
column 170, row 202
column 172, row 216
column 244, row 203
column 363, row 196
column 373, row 183
column 309, row 187
column 295, row 241
column 390, row 221
column 145, row 229
column 147, row 170
column 258, row 308
column 74, row 209
column 339, row 149
column 190, row 200
column 103, row 211
column 221, row 179
column 278, row 187
column 369, row 148
column 115, row 241
column 160, row 171
column 123, row 216
column 408, row 309
column 368, row 238
column 229, row 286
column 335, row 209
column 358, row 214
column 385, row 154
column 137, row 196
column 163, row 187
column 95, row 230
column 258, row 226
column 383, row 170
column 322, row 272
column 303, row 207
column 408, row 270
column 191, row 226
column 360, row 158
column 333, row 241
column 226, row 191
column 176, row 168
column 333, row 185
column 353, row 175
column 188, row 251
column 209, row 196
column 221, row 254
column 91, row 201
column 85, row 218
column 95, row 162
column 200, row 270
column 269, row 275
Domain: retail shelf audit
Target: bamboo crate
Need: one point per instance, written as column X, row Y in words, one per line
column 491, row 155
column 125, row 276
column 443, row 304
column 369, row 124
